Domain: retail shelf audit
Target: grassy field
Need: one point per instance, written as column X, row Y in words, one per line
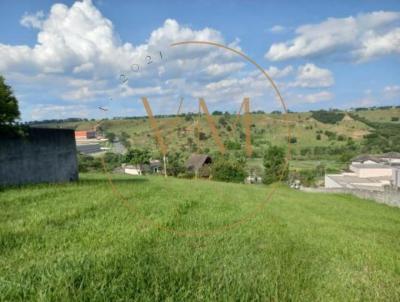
column 81, row 242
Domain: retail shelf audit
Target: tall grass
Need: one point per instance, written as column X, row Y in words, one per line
column 80, row 242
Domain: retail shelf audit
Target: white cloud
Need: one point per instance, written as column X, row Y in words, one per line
column 311, row 76
column 33, row 20
column 277, row 29
column 277, row 73
column 223, row 69
column 362, row 37
column 391, row 92
column 91, row 53
column 312, row 98
column 44, row 111
column 82, row 64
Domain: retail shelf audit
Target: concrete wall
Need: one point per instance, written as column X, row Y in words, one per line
column 390, row 197
column 366, row 173
column 44, row 155
column 330, row 183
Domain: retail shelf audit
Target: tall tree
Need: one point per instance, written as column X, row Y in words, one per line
column 9, row 111
column 138, row 157
column 275, row 167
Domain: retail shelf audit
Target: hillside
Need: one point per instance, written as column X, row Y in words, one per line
column 312, row 141
column 81, row 242
column 180, row 133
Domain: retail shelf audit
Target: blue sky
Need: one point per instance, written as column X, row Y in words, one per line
column 65, row 58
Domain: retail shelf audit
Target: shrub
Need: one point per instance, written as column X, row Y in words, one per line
column 228, row 169
column 327, row 117
column 110, row 136
column 341, row 138
column 87, row 163
column 275, row 167
column 175, row 164
column 232, row 145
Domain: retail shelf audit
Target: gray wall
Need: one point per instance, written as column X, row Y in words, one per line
column 44, row 155
column 390, row 197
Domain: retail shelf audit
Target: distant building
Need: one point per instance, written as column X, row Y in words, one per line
column 368, row 172
column 133, row 169
column 253, row 179
column 391, row 157
column 199, row 164
column 153, row 167
column 85, row 134
column 385, row 158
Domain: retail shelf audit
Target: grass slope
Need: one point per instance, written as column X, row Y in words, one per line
column 79, row 242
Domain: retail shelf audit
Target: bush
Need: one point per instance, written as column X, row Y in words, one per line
column 318, row 137
column 175, row 164
column 232, row 145
column 87, row 163
column 327, row 117
column 341, row 138
column 394, row 119
column 228, row 169
column 275, row 167
column 110, row 136
column 331, row 135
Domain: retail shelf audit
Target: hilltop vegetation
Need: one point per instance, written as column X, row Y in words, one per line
column 81, row 242
column 333, row 136
column 183, row 133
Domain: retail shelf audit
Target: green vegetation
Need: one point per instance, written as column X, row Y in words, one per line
column 327, row 117
column 9, row 111
column 275, row 165
column 87, row 163
column 79, row 242
column 229, row 169
column 137, row 157
column 384, row 137
column 367, row 130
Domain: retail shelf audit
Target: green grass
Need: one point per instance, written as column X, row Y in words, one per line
column 80, row 242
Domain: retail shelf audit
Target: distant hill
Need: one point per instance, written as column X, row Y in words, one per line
column 191, row 133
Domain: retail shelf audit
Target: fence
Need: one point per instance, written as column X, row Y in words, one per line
column 388, row 196
column 43, row 155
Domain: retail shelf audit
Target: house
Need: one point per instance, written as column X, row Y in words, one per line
column 133, row 169
column 366, row 159
column 199, row 164
column 85, row 134
column 391, row 157
column 368, row 172
column 153, row 167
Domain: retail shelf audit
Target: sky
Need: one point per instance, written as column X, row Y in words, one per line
column 67, row 58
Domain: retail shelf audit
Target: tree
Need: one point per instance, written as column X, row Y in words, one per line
column 138, row 157
column 275, row 167
column 110, row 136
column 175, row 164
column 9, row 111
column 228, row 169
column 327, row 117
